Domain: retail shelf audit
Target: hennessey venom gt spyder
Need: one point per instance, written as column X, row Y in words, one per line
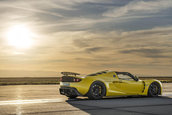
column 107, row 83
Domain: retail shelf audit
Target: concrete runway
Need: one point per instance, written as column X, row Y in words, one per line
column 46, row 100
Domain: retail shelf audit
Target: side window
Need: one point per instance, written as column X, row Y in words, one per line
column 124, row 77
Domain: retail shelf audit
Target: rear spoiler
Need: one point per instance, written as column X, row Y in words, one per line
column 69, row 73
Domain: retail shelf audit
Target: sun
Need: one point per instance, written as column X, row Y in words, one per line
column 20, row 36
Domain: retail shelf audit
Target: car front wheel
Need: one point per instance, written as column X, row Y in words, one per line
column 154, row 89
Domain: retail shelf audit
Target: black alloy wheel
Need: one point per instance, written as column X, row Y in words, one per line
column 154, row 89
column 97, row 90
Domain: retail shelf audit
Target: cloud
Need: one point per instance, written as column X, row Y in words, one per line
column 73, row 35
column 94, row 49
column 146, row 52
column 75, row 15
column 81, row 43
column 138, row 8
column 129, row 49
column 74, row 51
column 32, row 10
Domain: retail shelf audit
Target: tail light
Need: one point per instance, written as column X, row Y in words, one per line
column 76, row 80
column 61, row 79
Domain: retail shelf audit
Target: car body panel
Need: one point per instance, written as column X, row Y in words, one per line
column 114, row 85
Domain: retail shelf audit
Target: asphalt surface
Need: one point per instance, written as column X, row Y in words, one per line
column 46, row 100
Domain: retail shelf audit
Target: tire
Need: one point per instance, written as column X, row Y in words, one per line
column 97, row 90
column 154, row 89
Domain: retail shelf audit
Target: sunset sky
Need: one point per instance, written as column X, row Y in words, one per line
column 41, row 38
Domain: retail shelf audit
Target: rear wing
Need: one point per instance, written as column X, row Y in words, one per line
column 69, row 73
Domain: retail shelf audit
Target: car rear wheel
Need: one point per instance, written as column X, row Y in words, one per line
column 97, row 90
column 154, row 89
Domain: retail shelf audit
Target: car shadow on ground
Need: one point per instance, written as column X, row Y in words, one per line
column 123, row 105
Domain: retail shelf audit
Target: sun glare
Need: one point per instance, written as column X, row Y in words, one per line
column 20, row 36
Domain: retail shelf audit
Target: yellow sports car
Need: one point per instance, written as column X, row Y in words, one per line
column 107, row 83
